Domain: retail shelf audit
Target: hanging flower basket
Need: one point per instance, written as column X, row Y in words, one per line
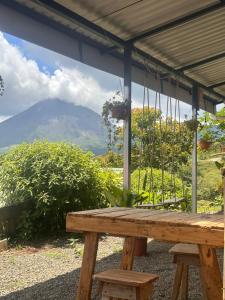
column 119, row 110
column 204, row 144
column 192, row 124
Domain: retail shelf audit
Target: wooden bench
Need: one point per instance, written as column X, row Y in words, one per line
column 124, row 284
column 184, row 255
column 165, row 203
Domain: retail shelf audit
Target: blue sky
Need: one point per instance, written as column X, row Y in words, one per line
column 32, row 73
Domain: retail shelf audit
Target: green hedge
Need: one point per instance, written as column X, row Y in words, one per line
column 56, row 178
column 141, row 184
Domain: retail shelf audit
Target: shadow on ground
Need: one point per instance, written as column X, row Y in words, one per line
column 159, row 262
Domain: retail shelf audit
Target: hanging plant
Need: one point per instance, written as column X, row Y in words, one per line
column 114, row 110
column 192, row 124
column 118, row 110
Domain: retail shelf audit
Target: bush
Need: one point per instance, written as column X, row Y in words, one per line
column 141, row 183
column 55, row 178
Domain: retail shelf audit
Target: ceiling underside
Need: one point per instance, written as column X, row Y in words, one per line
column 179, row 38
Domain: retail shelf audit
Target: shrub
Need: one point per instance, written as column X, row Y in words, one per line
column 141, row 183
column 56, row 178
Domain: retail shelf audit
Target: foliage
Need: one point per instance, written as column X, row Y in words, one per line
column 158, row 141
column 209, row 180
column 111, row 159
column 152, row 185
column 213, row 126
column 192, row 124
column 124, row 198
column 56, row 178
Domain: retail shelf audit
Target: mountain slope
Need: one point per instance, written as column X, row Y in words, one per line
column 55, row 120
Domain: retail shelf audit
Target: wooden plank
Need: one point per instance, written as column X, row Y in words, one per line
column 127, row 258
column 141, row 215
column 177, row 282
column 98, row 211
column 165, row 202
column 152, row 229
column 182, row 219
column 184, row 284
column 184, row 249
column 120, row 213
column 210, row 273
column 179, row 219
column 126, row 277
column 88, row 265
column 112, row 291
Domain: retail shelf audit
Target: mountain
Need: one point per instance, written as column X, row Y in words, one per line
column 55, row 120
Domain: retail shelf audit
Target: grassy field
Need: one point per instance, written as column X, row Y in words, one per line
column 209, row 185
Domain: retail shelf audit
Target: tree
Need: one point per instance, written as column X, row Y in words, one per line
column 158, row 141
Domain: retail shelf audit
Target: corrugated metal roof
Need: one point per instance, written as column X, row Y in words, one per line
column 184, row 44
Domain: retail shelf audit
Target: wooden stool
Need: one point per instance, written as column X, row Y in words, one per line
column 123, row 284
column 184, row 256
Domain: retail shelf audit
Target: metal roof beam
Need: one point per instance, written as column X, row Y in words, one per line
column 213, row 86
column 115, row 41
column 201, row 62
column 171, row 71
column 81, row 20
column 178, row 22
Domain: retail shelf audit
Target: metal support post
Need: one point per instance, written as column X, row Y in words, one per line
column 127, row 121
column 195, row 94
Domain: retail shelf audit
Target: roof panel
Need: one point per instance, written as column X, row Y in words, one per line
column 190, row 42
column 185, row 44
column 132, row 17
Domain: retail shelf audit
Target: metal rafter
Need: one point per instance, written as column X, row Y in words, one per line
column 178, row 22
column 116, row 41
column 201, row 62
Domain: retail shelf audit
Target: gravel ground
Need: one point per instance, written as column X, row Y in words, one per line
column 51, row 271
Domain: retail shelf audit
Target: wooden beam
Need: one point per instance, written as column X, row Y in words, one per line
column 88, row 265
column 210, row 273
column 164, row 232
column 128, row 253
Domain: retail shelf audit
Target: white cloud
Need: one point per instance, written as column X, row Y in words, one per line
column 3, row 118
column 26, row 84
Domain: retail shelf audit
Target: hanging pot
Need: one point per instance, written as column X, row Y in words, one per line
column 140, row 247
column 119, row 111
column 204, row 144
column 192, row 124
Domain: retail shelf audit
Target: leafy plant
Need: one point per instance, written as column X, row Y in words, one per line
column 114, row 108
column 55, row 178
column 153, row 187
column 192, row 124
column 157, row 141
column 123, row 197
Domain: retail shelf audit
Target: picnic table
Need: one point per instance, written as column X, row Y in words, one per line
column 207, row 231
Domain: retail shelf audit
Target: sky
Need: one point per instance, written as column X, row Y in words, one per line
column 32, row 74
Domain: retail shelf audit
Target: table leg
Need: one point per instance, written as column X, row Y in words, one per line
column 128, row 253
column 210, row 273
column 88, row 265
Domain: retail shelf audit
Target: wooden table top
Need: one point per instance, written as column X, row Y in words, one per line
column 206, row 229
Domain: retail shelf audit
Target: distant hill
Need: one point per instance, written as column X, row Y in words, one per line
column 55, row 120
